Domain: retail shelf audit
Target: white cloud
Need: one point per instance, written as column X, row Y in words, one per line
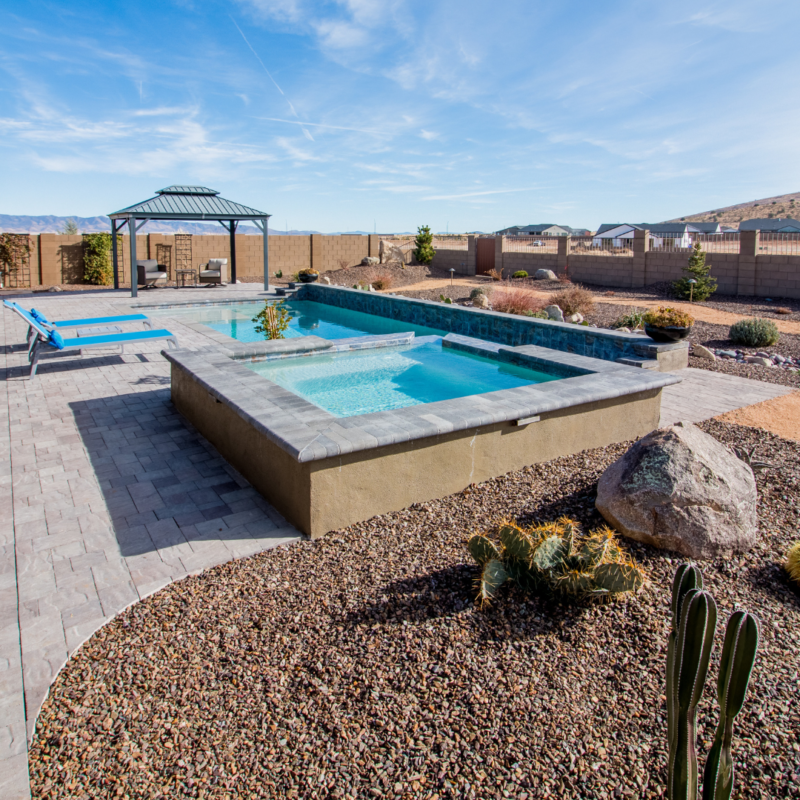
column 428, row 135
column 475, row 194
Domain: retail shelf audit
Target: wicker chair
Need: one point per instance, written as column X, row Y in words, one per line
column 149, row 273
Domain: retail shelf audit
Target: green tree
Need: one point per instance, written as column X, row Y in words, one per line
column 97, row 267
column 424, row 251
column 70, row 228
column 698, row 271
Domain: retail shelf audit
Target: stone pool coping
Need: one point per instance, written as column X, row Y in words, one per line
column 308, row 433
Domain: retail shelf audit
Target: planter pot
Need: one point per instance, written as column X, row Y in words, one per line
column 308, row 278
column 292, row 285
column 670, row 333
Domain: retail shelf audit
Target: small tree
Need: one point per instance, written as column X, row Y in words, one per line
column 97, row 267
column 70, row 228
column 15, row 251
column 696, row 270
column 424, row 251
column 272, row 320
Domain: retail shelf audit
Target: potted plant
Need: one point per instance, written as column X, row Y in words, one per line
column 665, row 324
column 308, row 275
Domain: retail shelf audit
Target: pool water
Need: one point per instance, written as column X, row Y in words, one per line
column 308, row 319
column 361, row 382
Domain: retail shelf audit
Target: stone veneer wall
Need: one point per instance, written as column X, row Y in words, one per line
column 512, row 331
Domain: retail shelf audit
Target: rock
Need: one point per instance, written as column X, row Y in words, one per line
column 575, row 318
column 370, row 261
column 554, row 312
column 371, row 288
column 623, row 329
column 545, row 275
column 762, row 354
column 764, row 362
column 54, row 289
column 480, row 301
column 726, row 353
column 680, row 489
column 326, row 279
column 703, row 352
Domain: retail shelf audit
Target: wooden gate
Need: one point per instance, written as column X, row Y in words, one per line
column 484, row 256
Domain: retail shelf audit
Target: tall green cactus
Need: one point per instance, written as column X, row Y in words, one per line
column 736, row 666
column 694, row 620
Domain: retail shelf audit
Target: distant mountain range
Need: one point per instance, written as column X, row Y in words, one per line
column 784, row 205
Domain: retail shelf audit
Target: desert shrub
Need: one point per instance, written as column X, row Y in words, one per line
column 475, row 292
column 308, row 271
column 665, row 317
column 97, row 267
column 516, row 301
column 632, row 320
column 445, row 299
column 520, row 273
column 754, row 332
column 495, row 275
column 383, row 280
column 279, row 273
column 783, row 310
column 536, row 314
column 343, row 263
column 574, row 300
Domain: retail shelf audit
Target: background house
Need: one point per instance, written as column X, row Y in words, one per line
column 547, row 229
column 786, row 225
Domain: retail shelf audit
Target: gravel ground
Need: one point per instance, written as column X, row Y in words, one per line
column 357, row 666
column 413, row 273
column 735, row 304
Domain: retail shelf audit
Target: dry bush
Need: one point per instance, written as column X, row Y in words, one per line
column 783, row 310
column 609, row 294
column 574, row 300
column 564, row 278
column 343, row 263
column 495, row 275
column 382, row 280
column 516, row 301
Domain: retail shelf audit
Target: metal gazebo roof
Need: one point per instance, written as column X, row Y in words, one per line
column 187, row 203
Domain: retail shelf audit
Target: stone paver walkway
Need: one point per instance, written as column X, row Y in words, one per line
column 107, row 495
column 703, row 394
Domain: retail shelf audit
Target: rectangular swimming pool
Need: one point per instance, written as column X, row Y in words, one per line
column 362, row 382
column 308, row 319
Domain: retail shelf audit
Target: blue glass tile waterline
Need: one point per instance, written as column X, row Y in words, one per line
column 308, row 319
column 360, row 382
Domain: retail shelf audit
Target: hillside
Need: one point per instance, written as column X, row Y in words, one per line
column 784, row 205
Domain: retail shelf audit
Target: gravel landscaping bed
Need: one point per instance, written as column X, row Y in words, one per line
column 358, row 666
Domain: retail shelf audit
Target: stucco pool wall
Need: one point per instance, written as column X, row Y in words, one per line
column 507, row 329
column 322, row 472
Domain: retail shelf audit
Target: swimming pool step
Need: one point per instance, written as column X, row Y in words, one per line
column 644, row 363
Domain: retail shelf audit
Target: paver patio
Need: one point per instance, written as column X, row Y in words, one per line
column 108, row 495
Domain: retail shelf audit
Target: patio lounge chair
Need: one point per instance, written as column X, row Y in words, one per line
column 214, row 271
column 52, row 339
column 149, row 272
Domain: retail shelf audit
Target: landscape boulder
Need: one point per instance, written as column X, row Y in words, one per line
column 680, row 489
column 480, row 301
column 554, row 312
column 576, row 319
column 370, row 261
column 703, row 352
column 544, row 275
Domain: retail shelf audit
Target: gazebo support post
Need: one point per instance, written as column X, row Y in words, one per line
column 265, row 230
column 114, row 250
column 233, row 225
column 134, row 270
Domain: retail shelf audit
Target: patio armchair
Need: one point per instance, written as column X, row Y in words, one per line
column 215, row 272
column 150, row 272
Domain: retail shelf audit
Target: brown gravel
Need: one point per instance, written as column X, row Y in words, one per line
column 357, row 666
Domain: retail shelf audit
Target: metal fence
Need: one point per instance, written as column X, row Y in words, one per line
column 590, row 246
column 450, row 243
column 779, row 244
column 530, row 244
column 717, row 242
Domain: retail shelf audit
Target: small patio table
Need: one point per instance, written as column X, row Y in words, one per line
column 181, row 276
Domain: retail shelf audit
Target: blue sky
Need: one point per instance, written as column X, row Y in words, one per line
column 357, row 114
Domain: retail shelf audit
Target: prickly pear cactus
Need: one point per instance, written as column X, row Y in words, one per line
column 558, row 556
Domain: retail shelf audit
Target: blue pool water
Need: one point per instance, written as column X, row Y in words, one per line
column 360, row 382
column 308, row 319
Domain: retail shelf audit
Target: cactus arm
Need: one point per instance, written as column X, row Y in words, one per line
column 687, row 577
column 482, row 549
column 736, row 666
column 692, row 653
column 492, row 577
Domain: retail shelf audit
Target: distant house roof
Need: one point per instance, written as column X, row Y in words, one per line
column 776, row 225
column 705, row 227
column 189, row 202
column 537, row 230
column 610, row 226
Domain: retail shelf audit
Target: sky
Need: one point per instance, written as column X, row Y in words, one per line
column 385, row 115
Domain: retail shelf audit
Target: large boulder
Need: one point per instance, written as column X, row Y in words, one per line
column 554, row 312
column 680, row 489
column 370, row 261
column 545, row 275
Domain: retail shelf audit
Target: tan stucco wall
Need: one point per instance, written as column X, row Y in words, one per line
column 321, row 496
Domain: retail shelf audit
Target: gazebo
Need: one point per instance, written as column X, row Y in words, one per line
column 186, row 203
